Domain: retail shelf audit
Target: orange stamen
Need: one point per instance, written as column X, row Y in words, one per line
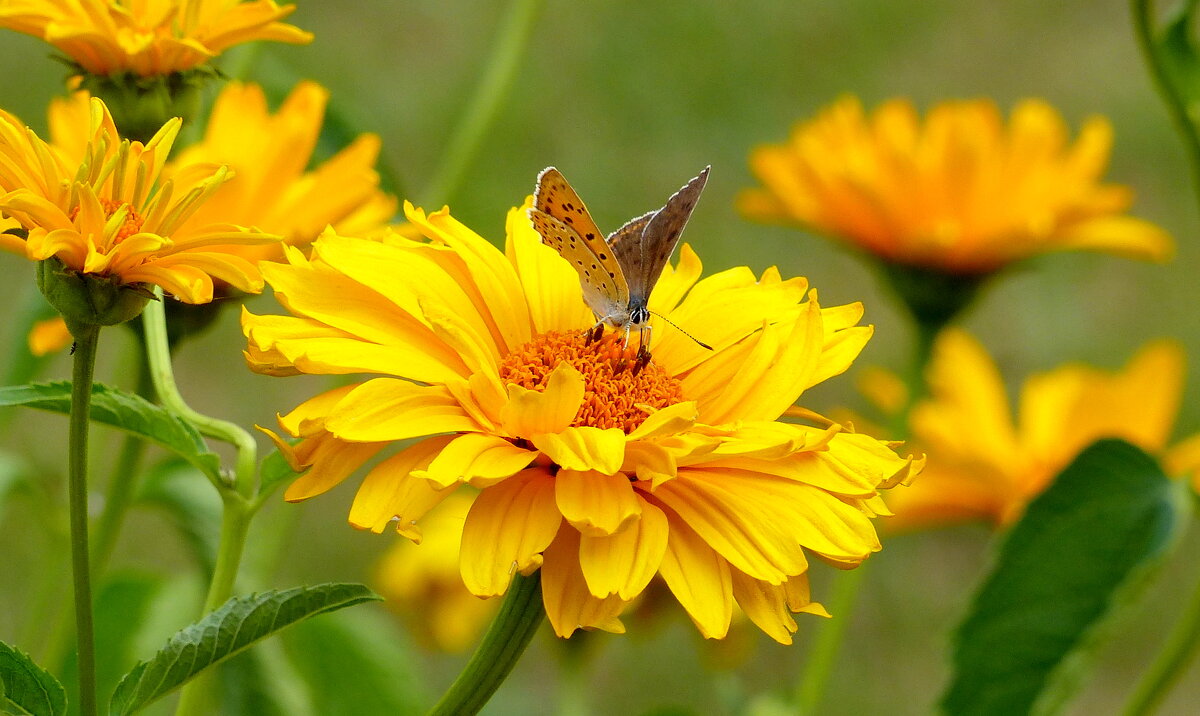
column 613, row 390
column 133, row 222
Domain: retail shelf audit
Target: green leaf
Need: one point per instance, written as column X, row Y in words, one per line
column 1081, row 549
column 359, row 652
column 232, row 628
column 193, row 505
column 25, row 687
column 126, row 411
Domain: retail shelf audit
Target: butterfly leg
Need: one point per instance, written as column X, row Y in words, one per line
column 643, row 354
column 595, row 333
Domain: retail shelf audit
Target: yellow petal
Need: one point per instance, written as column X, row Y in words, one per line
column 766, row 605
column 389, row 491
column 329, row 461
column 623, row 563
column 477, row 458
column 531, row 412
column 508, row 528
column 699, row 578
column 569, row 604
column 596, row 503
column 667, row 421
column 650, row 462
column 386, row 409
column 584, row 448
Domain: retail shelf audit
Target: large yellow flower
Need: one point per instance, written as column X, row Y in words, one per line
column 958, row 193
column 105, row 213
column 983, row 465
column 600, row 475
column 148, row 37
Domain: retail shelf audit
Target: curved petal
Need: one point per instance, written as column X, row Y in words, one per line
column 623, row 563
column 507, row 529
column 584, row 448
column 389, row 491
column 569, row 604
column 596, row 503
column 531, row 412
column 699, row 578
column 479, row 459
column 386, row 409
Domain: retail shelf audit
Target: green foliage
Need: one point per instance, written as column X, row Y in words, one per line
column 356, row 652
column 26, row 688
column 234, row 627
column 273, row 472
column 1074, row 556
column 126, row 411
column 192, row 504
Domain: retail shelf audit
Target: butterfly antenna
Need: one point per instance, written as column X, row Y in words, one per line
column 699, row 342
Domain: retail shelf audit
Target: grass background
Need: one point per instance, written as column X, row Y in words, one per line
column 629, row 99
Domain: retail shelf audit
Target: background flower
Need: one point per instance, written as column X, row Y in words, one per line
column 984, row 464
column 959, row 191
column 597, row 474
column 155, row 37
column 106, row 214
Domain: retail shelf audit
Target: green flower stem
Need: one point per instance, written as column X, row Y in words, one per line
column 1171, row 663
column 1168, row 82
column 828, row 642
column 124, row 482
column 158, row 353
column 926, row 334
column 498, row 78
column 520, row 616
column 83, row 369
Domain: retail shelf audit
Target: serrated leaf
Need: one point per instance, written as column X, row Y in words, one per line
column 27, row 686
column 192, row 504
column 126, row 411
column 1078, row 552
column 229, row 630
column 359, row 652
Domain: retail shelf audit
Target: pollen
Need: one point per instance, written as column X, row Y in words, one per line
column 131, row 226
column 614, row 388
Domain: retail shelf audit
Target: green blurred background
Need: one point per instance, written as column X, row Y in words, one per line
column 630, row 99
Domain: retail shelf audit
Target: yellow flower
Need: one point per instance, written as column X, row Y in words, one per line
column 148, row 37
column 598, row 475
column 983, row 465
column 959, row 193
column 105, row 213
column 270, row 154
column 49, row 336
column 422, row 584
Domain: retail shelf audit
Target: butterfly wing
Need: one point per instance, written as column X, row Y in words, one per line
column 658, row 239
column 626, row 243
column 553, row 195
column 600, row 276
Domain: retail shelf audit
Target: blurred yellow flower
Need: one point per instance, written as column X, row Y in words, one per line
column 49, row 336
column 598, row 475
column 421, row 583
column 148, row 37
column 984, row 465
column 958, row 193
column 105, row 213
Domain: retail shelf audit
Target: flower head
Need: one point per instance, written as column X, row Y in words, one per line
column 105, row 214
column 959, row 192
column 148, row 37
column 984, row 465
column 599, row 475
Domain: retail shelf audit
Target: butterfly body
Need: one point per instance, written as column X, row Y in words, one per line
column 616, row 272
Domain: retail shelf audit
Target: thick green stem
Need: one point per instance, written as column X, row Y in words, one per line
column 520, row 616
column 124, row 481
column 1172, row 661
column 1177, row 105
column 498, row 78
column 828, row 642
column 86, row 340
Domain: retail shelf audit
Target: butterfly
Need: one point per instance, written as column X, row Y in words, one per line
column 617, row 272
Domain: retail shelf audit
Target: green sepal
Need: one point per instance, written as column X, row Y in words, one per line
column 86, row 299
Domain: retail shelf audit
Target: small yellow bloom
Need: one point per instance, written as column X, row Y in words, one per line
column 959, row 193
column 148, row 37
column 983, row 465
column 104, row 212
column 600, row 476
column 422, row 582
column 49, row 336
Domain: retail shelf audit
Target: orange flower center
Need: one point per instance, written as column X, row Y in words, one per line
column 613, row 386
column 133, row 222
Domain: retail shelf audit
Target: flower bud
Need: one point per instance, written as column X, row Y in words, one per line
column 90, row 299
